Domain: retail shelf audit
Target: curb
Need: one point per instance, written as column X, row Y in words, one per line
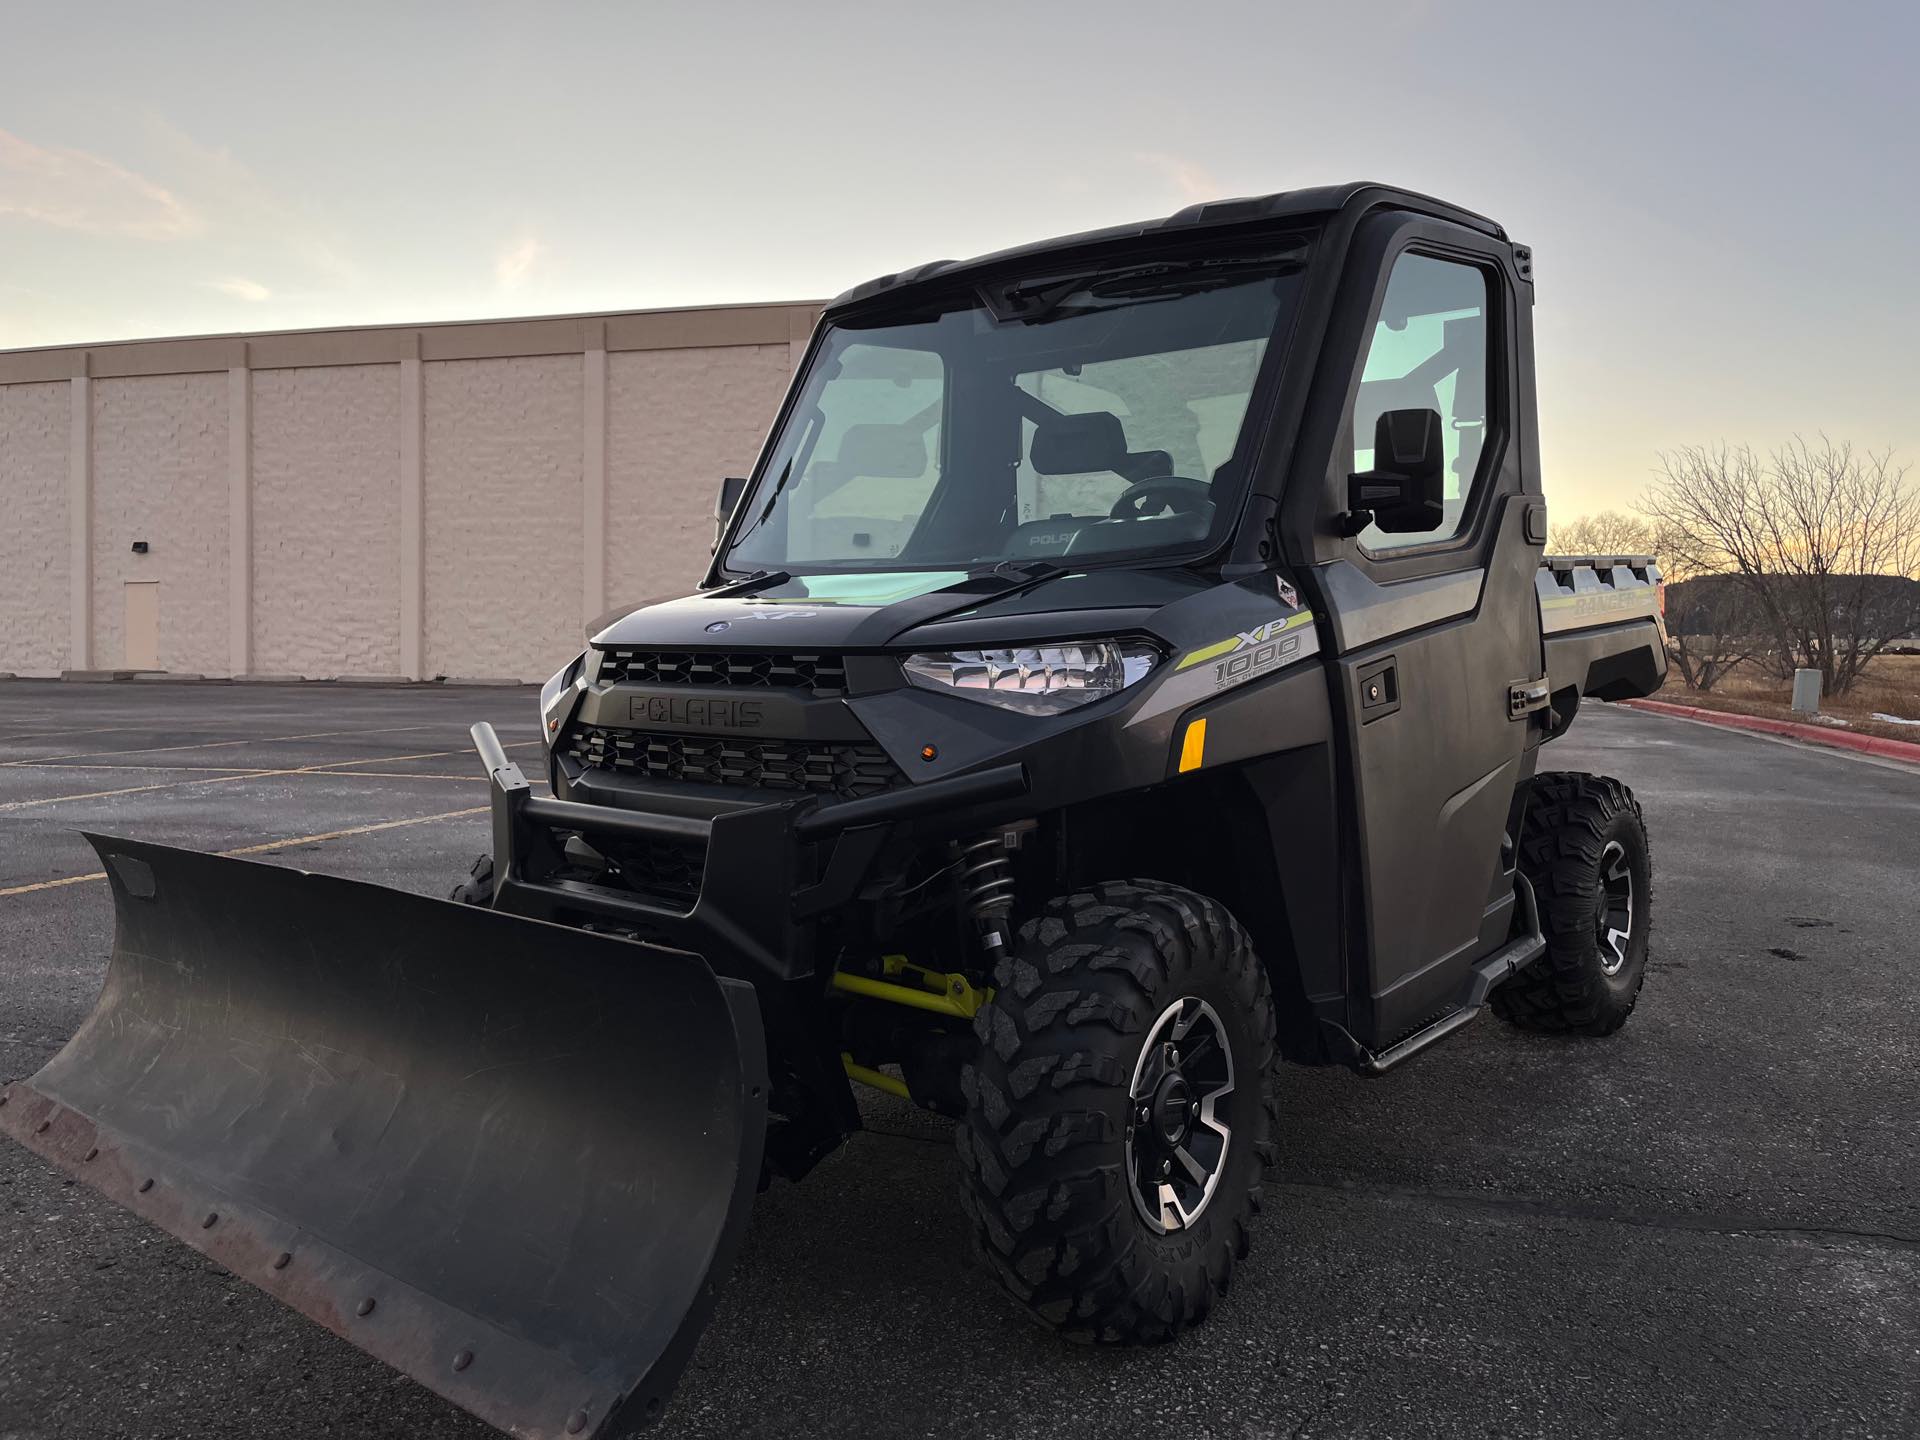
column 1793, row 730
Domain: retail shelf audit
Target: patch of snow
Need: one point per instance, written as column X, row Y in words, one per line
column 1894, row 719
column 1822, row 719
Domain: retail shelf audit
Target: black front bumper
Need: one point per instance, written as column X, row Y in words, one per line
column 767, row 873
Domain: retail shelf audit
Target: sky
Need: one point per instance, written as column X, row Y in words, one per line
column 1723, row 200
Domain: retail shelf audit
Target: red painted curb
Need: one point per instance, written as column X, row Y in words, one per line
column 1813, row 734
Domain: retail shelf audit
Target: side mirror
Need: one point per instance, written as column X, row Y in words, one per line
column 725, row 503
column 1405, row 492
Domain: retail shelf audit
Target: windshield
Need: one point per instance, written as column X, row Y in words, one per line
column 1066, row 417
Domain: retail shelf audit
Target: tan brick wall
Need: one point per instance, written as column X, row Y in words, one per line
column 160, row 475
column 326, row 521
column 34, row 426
column 677, row 422
column 503, row 501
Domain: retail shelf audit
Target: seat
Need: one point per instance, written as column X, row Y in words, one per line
column 1089, row 443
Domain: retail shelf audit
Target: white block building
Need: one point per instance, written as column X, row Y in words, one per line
column 404, row 501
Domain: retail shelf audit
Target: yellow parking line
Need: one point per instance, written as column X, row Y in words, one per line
column 54, row 884
column 336, row 765
column 146, row 769
column 242, row 772
column 103, row 794
column 401, row 775
column 325, row 769
column 354, row 830
column 269, row 845
column 220, row 744
column 57, row 734
column 318, row 766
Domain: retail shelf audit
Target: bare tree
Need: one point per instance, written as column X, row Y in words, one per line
column 1710, row 628
column 1608, row 533
column 1823, row 540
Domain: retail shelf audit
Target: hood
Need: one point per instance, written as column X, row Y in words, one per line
column 876, row 610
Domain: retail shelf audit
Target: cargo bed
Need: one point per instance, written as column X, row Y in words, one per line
column 1601, row 625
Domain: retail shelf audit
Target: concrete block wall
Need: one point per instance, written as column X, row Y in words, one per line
column 503, row 522
column 326, row 520
column 34, row 624
column 420, row 502
column 662, row 471
column 160, row 476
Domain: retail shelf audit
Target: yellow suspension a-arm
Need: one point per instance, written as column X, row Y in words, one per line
column 936, row 992
column 955, row 997
column 878, row 1079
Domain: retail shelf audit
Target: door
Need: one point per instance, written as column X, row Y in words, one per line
column 1432, row 628
column 142, row 629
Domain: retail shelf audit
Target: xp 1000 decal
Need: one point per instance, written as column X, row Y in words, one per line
column 1253, row 652
column 1249, row 655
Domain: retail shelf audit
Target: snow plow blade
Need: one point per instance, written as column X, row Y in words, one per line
column 509, row 1158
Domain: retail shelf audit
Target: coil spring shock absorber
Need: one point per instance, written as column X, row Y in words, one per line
column 986, row 888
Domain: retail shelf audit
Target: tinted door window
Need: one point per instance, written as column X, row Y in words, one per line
column 1429, row 352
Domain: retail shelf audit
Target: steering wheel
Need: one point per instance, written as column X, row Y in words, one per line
column 1177, row 494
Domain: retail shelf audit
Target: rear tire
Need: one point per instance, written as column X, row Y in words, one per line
column 1584, row 849
column 477, row 888
column 1058, row 1174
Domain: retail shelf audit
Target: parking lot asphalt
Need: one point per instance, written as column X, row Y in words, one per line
column 1708, row 1224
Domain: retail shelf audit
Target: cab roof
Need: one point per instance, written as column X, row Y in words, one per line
column 1211, row 214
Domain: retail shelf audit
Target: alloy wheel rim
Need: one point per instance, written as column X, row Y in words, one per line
column 1614, row 929
column 1176, row 1138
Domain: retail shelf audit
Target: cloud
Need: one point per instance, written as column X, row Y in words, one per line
column 72, row 190
column 248, row 211
column 1192, row 181
column 512, row 266
column 240, row 288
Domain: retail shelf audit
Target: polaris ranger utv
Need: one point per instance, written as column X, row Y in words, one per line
column 1125, row 667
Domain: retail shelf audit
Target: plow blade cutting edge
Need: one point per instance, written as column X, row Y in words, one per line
column 510, row 1159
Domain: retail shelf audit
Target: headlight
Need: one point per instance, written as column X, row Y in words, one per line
column 555, row 696
column 1038, row 680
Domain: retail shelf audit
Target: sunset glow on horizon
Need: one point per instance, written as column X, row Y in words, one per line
column 1720, row 203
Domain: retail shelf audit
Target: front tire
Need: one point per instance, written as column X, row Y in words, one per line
column 1092, row 1217
column 1584, row 849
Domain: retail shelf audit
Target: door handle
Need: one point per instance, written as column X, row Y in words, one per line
column 1379, row 685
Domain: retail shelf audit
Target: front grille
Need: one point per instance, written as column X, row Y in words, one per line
column 668, row 871
column 817, row 767
column 816, row 674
